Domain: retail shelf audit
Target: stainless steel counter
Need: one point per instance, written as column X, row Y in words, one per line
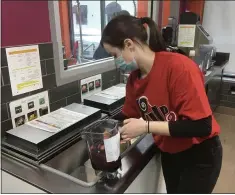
column 213, row 71
column 132, row 164
column 214, row 80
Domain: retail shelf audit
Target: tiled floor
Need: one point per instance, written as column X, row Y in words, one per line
column 226, row 181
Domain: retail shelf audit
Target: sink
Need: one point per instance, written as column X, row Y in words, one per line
column 74, row 164
column 71, row 158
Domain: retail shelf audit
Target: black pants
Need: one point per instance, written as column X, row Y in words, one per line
column 195, row 170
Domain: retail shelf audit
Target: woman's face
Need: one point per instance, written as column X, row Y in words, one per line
column 128, row 52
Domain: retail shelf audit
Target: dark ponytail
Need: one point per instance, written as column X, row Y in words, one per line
column 156, row 41
column 123, row 27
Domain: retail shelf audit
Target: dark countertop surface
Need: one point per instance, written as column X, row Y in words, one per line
column 132, row 163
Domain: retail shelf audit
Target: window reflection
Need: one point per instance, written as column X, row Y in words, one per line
column 86, row 29
column 86, row 20
column 113, row 7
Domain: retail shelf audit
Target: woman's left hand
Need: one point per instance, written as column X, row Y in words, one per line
column 133, row 128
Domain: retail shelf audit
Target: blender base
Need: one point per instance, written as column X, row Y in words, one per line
column 110, row 175
column 103, row 174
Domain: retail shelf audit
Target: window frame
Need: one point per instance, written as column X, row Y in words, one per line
column 71, row 22
column 74, row 72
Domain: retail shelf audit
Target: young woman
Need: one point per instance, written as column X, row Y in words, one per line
column 167, row 91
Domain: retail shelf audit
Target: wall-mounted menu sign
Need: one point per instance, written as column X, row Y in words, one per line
column 90, row 86
column 186, row 35
column 29, row 108
column 24, row 69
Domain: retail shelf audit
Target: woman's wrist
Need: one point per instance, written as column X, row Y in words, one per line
column 159, row 127
column 146, row 127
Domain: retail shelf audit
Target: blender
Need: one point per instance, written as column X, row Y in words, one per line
column 103, row 141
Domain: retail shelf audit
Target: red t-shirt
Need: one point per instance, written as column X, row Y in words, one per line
column 173, row 90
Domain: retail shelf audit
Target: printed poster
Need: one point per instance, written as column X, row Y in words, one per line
column 186, row 35
column 24, row 69
column 90, row 86
column 29, row 108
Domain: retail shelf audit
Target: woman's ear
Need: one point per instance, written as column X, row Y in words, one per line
column 129, row 43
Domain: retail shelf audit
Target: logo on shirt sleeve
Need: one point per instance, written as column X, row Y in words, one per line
column 154, row 113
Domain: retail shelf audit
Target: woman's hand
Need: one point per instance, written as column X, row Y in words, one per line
column 133, row 128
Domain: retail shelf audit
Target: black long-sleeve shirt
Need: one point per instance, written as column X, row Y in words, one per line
column 185, row 128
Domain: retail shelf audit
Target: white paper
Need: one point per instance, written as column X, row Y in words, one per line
column 186, row 35
column 57, row 120
column 24, row 69
column 107, row 96
column 41, row 125
column 87, row 84
column 115, row 91
column 29, row 108
column 112, row 148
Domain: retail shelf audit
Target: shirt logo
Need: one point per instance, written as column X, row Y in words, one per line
column 154, row 113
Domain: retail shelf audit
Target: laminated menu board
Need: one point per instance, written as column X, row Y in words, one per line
column 57, row 120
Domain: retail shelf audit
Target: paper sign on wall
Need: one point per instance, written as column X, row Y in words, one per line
column 29, row 108
column 24, row 69
column 186, row 35
column 90, row 86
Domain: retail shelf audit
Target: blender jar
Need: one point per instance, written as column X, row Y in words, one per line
column 103, row 141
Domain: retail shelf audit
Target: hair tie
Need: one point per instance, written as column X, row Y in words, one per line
column 143, row 20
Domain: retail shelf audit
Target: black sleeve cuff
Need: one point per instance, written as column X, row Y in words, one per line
column 190, row 128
